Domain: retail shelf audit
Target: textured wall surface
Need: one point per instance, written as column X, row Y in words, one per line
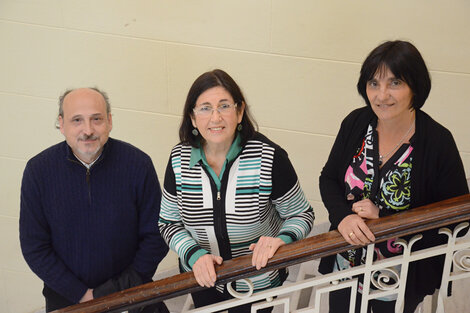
column 296, row 61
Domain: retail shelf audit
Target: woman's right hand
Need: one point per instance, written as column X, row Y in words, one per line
column 355, row 231
column 204, row 270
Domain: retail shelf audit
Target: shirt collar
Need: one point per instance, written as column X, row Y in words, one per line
column 197, row 154
column 88, row 166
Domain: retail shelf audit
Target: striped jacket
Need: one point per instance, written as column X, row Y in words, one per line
column 259, row 196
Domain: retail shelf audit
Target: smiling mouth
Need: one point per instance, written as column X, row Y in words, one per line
column 216, row 128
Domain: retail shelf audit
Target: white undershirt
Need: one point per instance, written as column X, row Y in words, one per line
column 86, row 164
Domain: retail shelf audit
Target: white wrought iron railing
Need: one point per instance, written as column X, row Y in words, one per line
column 380, row 274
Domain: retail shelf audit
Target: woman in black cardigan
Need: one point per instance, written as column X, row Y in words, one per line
column 388, row 157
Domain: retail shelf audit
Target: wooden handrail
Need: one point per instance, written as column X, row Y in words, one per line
column 427, row 217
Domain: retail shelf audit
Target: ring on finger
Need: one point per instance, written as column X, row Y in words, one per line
column 351, row 235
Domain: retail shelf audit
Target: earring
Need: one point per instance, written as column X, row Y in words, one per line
column 195, row 132
column 239, row 127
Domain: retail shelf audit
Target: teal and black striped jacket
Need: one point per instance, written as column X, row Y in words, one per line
column 259, row 196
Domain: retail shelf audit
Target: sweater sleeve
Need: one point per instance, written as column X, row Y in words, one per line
column 171, row 224
column 331, row 184
column 152, row 248
column 437, row 174
column 289, row 200
column 450, row 180
column 36, row 242
column 445, row 175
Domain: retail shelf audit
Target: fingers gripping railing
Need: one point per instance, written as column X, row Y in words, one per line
column 431, row 216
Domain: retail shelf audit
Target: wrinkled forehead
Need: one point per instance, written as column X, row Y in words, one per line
column 84, row 100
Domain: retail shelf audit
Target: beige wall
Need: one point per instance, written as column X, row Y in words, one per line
column 296, row 61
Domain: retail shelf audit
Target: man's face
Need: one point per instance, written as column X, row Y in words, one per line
column 85, row 124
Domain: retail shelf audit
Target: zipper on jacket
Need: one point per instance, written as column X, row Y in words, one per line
column 88, row 172
column 87, row 178
column 220, row 222
column 88, row 183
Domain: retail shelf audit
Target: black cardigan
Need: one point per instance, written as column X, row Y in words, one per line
column 437, row 174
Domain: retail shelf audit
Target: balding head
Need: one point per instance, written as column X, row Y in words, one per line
column 102, row 93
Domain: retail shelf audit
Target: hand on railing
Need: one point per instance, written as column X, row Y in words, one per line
column 87, row 296
column 366, row 209
column 355, row 231
column 264, row 249
column 204, row 270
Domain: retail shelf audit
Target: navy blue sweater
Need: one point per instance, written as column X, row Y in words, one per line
column 79, row 227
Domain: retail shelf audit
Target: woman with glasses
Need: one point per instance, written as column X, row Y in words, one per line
column 228, row 191
column 389, row 156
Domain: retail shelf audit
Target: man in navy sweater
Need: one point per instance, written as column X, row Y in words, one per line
column 89, row 208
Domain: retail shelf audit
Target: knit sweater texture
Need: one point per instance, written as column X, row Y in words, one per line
column 79, row 227
column 259, row 196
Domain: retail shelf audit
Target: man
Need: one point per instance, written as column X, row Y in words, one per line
column 89, row 208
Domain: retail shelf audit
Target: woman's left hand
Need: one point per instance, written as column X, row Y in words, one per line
column 264, row 249
column 366, row 209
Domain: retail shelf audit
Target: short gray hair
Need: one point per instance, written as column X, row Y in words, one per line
column 102, row 93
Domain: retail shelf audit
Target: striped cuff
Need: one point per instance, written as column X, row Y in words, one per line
column 196, row 255
column 286, row 238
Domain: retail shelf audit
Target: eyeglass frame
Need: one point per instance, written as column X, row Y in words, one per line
column 234, row 106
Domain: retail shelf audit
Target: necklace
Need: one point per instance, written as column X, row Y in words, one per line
column 381, row 157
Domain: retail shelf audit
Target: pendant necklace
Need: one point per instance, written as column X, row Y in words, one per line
column 381, row 157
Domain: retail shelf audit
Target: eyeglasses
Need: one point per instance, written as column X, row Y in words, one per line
column 207, row 110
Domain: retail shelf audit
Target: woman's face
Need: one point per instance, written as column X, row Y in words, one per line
column 389, row 96
column 217, row 129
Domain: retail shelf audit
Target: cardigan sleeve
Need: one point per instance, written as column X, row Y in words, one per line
column 289, row 200
column 450, row 180
column 332, row 176
column 36, row 242
column 444, row 174
column 438, row 171
column 171, row 225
